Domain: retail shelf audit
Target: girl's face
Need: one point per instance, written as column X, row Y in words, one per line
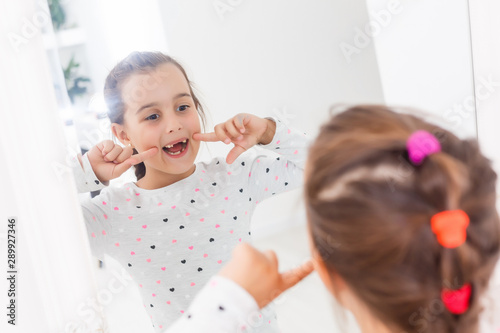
column 160, row 112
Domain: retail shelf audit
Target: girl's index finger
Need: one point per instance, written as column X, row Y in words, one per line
column 207, row 137
column 120, row 168
column 141, row 157
column 295, row 275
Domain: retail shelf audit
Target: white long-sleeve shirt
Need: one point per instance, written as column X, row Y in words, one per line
column 172, row 240
column 222, row 306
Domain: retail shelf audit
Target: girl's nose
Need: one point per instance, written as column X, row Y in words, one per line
column 171, row 130
column 173, row 125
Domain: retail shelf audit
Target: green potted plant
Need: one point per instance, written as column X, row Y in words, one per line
column 57, row 13
column 73, row 81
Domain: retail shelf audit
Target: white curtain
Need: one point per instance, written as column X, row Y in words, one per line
column 55, row 282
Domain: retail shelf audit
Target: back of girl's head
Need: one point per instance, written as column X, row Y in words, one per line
column 138, row 63
column 369, row 212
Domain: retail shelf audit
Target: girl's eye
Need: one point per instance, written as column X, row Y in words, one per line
column 183, row 108
column 153, row 117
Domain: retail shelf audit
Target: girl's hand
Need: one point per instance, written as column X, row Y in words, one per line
column 243, row 130
column 258, row 273
column 110, row 160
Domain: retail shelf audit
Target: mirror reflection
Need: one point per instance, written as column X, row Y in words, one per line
column 136, row 82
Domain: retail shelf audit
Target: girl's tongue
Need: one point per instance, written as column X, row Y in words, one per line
column 177, row 147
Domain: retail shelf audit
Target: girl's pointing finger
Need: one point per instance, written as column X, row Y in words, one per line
column 141, row 157
column 208, row 137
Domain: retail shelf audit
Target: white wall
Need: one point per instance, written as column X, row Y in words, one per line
column 424, row 57
column 485, row 27
column 114, row 29
column 264, row 57
column 486, row 58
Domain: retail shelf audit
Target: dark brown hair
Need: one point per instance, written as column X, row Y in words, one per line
column 138, row 62
column 369, row 212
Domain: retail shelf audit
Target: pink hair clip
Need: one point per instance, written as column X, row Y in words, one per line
column 457, row 301
column 420, row 145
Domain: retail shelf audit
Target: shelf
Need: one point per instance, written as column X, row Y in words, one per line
column 65, row 38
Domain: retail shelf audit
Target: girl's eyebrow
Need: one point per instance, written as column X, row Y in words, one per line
column 146, row 106
column 156, row 104
column 182, row 95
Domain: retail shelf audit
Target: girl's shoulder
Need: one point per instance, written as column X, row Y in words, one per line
column 125, row 198
column 115, row 192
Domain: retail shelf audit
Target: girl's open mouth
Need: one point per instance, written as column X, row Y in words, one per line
column 176, row 149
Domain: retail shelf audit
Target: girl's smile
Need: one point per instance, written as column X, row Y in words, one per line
column 177, row 149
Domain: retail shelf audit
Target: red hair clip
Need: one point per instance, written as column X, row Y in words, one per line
column 450, row 227
column 457, row 301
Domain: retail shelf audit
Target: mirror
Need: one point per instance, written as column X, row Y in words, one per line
column 288, row 59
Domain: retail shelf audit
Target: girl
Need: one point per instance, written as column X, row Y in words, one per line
column 175, row 227
column 403, row 229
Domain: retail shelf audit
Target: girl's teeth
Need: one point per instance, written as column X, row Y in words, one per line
column 170, row 146
column 176, row 153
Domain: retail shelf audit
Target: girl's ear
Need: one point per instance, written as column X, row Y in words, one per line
column 319, row 266
column 120, row 133
column 333, row 281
